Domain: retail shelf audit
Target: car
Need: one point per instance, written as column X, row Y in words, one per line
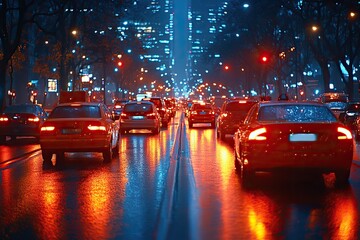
column 21, row 120
column 350, row 117
column 140, row 115
column 79, row 127
column 295, row 136
column 336, row 101
column 118, row 107
column 201, row 112
column 162, row 110
column 232, row 112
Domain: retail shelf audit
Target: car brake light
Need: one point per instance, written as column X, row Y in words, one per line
column 346, row 133
column 256, row 134
column 4, row 119
column 224, row 115
column 47, row 128
column 96, row 128
column 124, row 116
column 34, row 119
column 194, row 112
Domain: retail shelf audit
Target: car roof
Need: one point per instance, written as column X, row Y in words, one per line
column 80, row 103
column 277, row 103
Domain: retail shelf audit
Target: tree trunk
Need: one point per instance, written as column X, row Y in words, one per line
column 3, row 68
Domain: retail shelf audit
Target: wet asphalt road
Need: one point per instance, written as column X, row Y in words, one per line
column 158, row 188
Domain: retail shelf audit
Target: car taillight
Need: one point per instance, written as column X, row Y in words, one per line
column 256, row 134
column 224, row 115
column 194, row 112
column 96, row 127
column 151, row 116
column 124, row 116
column 34, row 119
column 345, row 133
column 4, row 119
column 47, row 128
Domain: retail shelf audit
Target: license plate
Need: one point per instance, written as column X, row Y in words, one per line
column 138, row 117
column 71, row 131
column 302, row 137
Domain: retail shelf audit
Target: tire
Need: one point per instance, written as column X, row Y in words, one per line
column 213, row 125
column 342, row 177
column 191, row 125
column 2, row 139
column 156, row 130
column 107, row 154
column 60, row 159
column 165, row 124
column 47, row 156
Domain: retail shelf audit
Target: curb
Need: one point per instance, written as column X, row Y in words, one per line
column 165, row 213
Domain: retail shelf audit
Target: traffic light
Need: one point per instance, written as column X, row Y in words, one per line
column 264, row 59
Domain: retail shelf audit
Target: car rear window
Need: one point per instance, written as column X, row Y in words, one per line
column 76, row 112
column 135, row 107
column 20, row 109
column 295, row 113
column 238, row 106
column 201, row 106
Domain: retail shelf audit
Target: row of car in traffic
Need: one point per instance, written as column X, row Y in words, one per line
column 285, row 136
column 83, row 126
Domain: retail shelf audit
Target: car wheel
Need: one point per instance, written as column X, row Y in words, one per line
column 190, row 125
column 213, row 125
column 46, row 155
column 107, row 154
column 342, row 177
column 165, row 124
column 2, row 139
column 156, row 130
column 60, row 159
column 222, row 135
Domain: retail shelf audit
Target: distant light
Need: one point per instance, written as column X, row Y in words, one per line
column 331, row 86
column 246, row 5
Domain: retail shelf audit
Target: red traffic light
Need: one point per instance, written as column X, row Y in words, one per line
column 264, row 59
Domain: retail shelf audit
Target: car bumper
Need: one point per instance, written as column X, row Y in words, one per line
column 139, row 124
column 20, row 130
column 205, row 119
column 75, row 144
column 327, row 161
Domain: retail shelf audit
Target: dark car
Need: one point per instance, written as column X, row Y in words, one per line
column 202, row 113
column 301, row 136
column 162, row 110
column 351, row 117
column 231, row 114
column 118, row 107
column 21, row 120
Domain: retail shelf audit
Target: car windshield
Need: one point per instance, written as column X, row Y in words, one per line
column 20, row 109
column 295, row 113
column 146, row 108
column 83, row 111
column 238, row 106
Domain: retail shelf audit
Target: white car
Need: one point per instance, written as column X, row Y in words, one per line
column 140, row 115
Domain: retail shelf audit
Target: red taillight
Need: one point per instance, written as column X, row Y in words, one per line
column 124, row 116
column 34, row 119
column 194, row 112
column 4, row 119
column 96, row 128
column 256, row 134
column 151, row 116
column 47, row 128
column 345, row 133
